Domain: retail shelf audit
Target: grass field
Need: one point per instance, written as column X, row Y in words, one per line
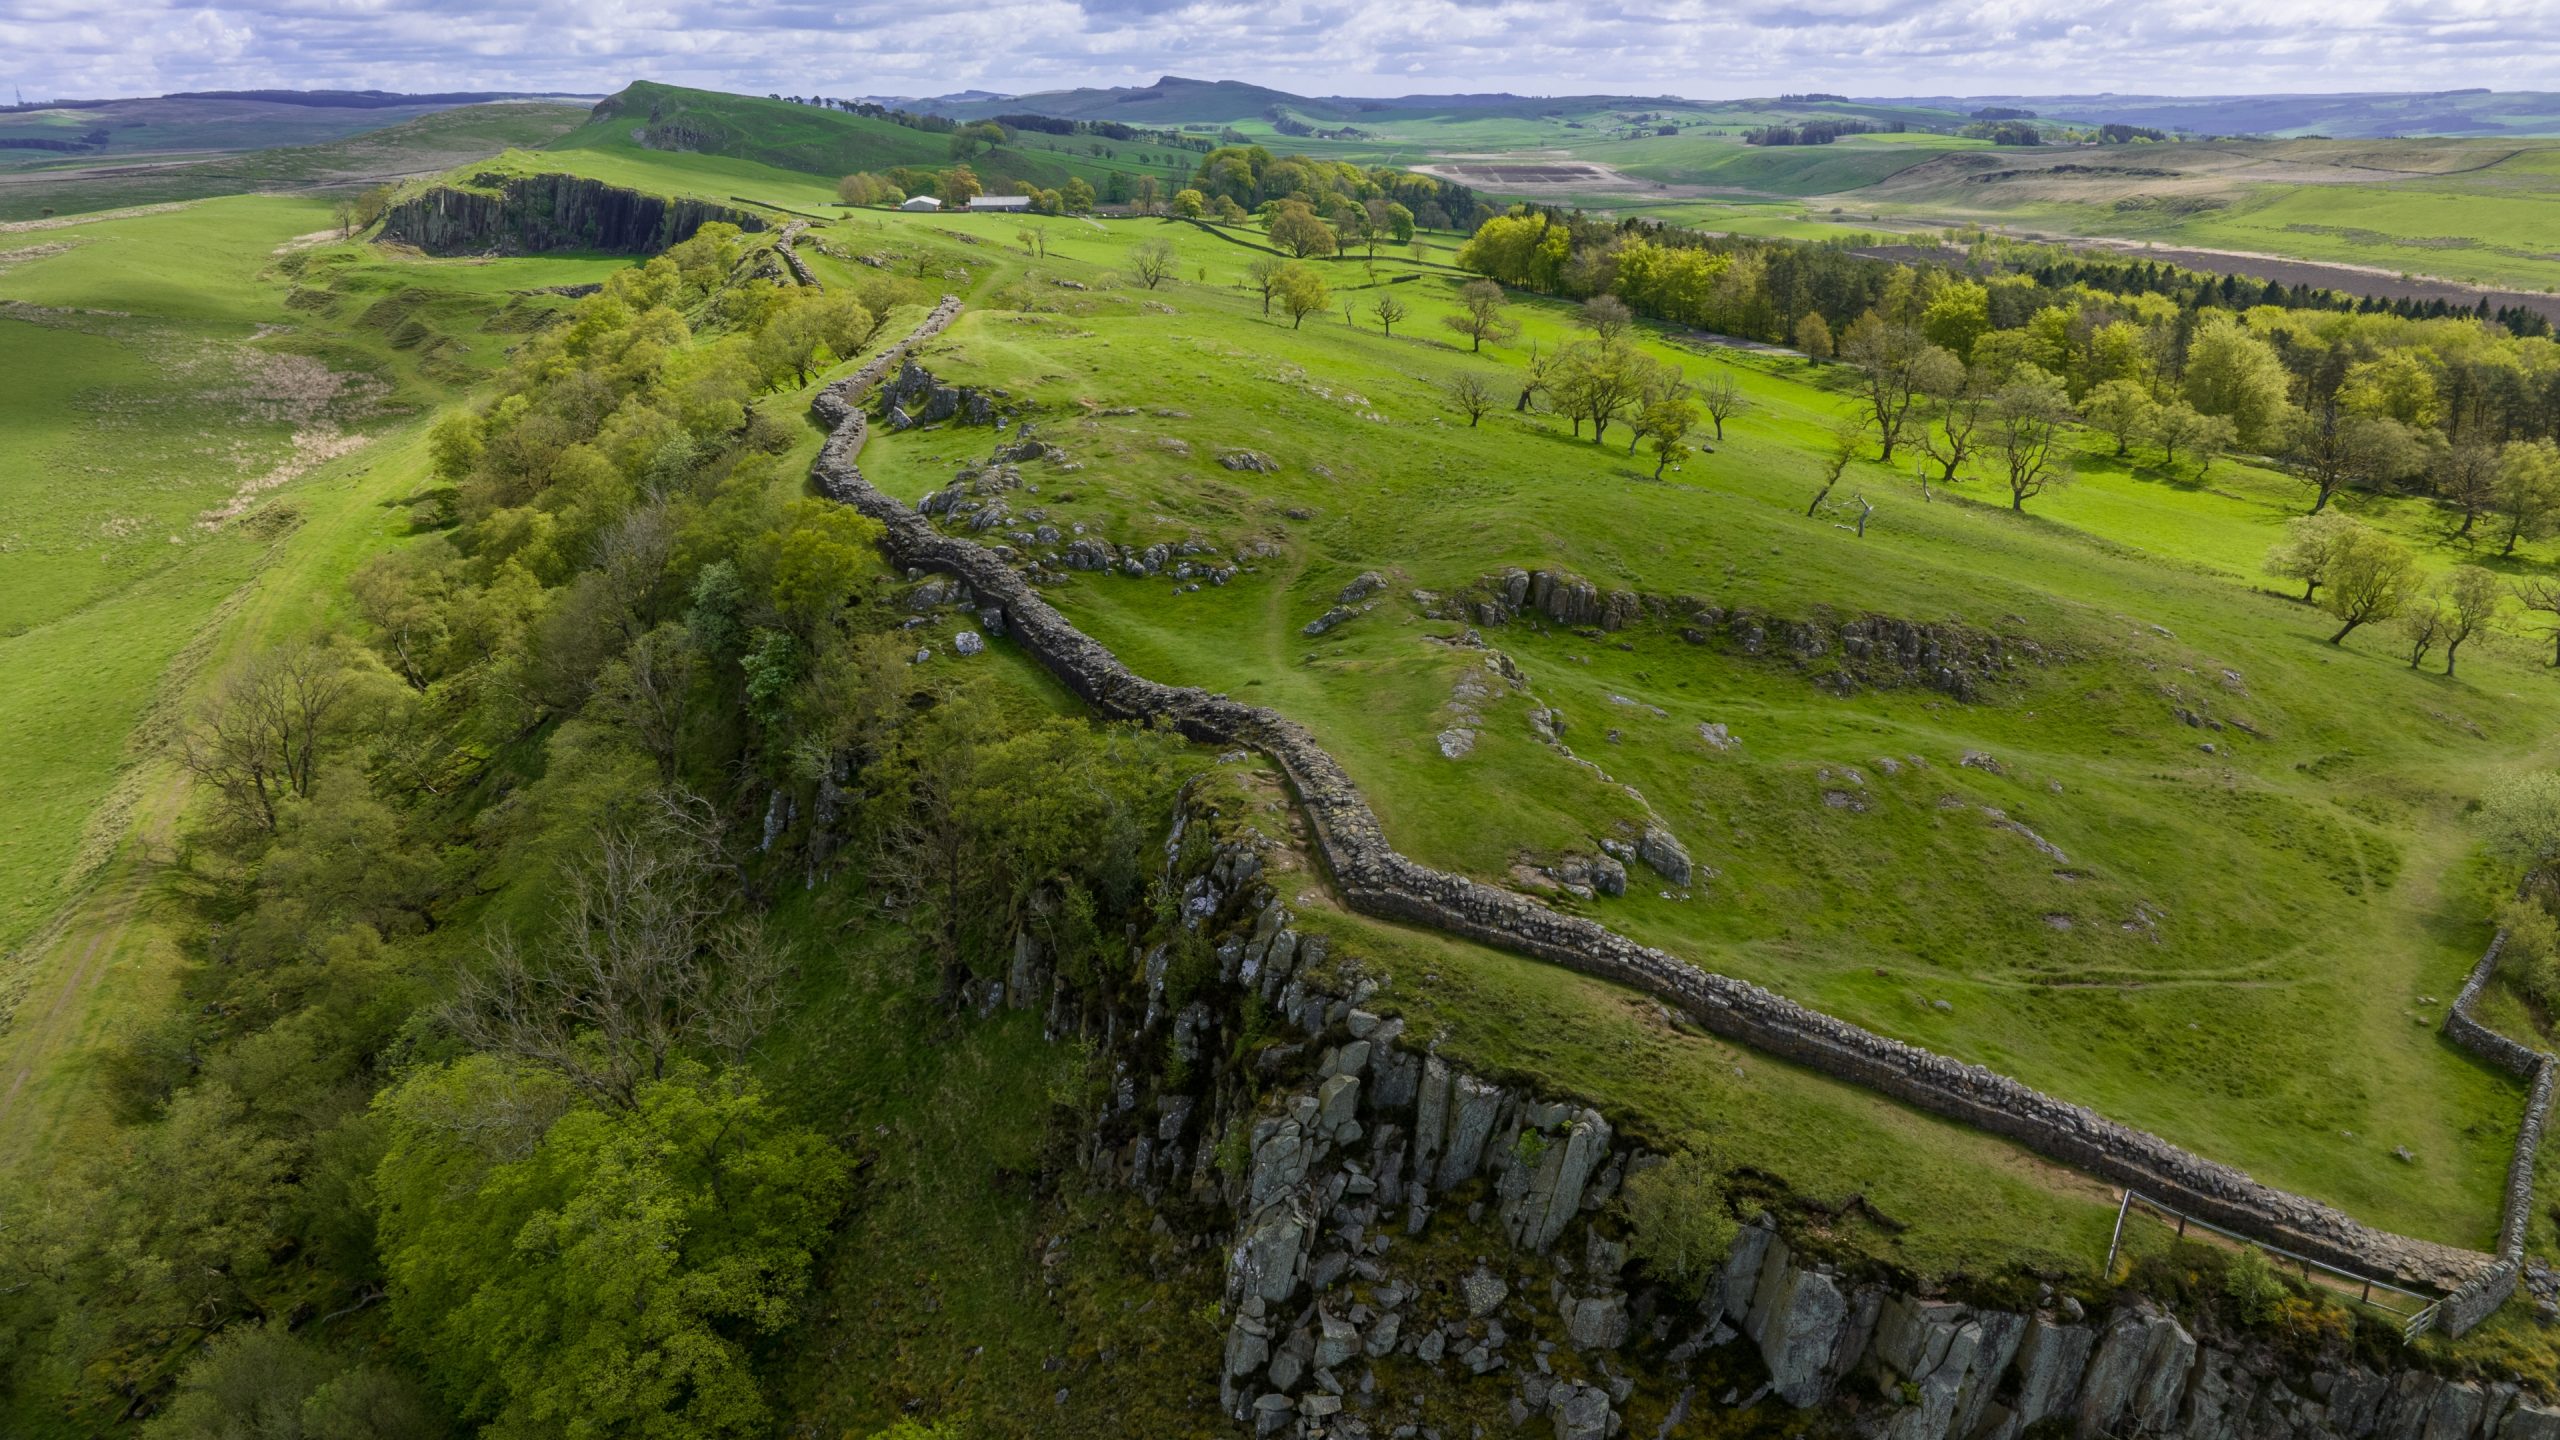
column 2245, row 950
column 215, row 422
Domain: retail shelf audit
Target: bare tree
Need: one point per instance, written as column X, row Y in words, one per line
column 2541, row 594
column 643, row 966
column 649, row 692
column 258, row 739
column 1389, row 310
column 1607, row 318
column 1721, row 395
column 1470, row 396
column 1482, row 317
column 1262, row 276
column 1153, row 263
column 1845, row 440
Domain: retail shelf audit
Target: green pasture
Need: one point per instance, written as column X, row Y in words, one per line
column 2245, row 949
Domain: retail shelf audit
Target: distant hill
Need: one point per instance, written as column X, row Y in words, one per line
column 2359, row 115
column 1171, row 100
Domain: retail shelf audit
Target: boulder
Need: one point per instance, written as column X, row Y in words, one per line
column 968, row 642
column 1797, row 1319
column 1252, row 460
column 1581, row 1412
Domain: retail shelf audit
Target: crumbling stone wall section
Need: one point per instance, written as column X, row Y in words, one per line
column 782, row 245
column 2484, row 1293
column 1376, row 880
column 528, row 214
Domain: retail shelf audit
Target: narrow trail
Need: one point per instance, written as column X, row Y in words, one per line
column 1370, row 877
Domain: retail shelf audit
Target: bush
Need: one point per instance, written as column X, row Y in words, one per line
column 1683, row 1229
column 2532, row 957
column 2252, row 1284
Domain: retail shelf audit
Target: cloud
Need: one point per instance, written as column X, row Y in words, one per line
column 1701, row 48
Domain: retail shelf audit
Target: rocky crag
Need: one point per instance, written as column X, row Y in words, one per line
column 1374, row 879
column 1417, row 1250
column 531, row 214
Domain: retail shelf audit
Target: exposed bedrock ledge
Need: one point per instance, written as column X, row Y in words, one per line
column 526, row 214
column 1376, row 880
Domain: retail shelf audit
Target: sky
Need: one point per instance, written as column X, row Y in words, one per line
column 1705, row 49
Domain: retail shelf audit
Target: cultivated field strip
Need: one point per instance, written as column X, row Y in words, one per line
column 1374, row 879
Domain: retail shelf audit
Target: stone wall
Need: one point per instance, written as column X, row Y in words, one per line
column 1376, row 880
column 783, row 246
column 526, row 214
column 1412, row 1247
column 2484, row 1293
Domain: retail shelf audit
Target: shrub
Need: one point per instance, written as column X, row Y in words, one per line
column 1683, row 1229
column 2252, row 1284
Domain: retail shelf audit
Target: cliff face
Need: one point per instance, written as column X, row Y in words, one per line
column 528, row 214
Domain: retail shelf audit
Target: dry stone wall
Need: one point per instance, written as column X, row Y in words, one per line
column 2484, row 1293
column 1399, row 1231
column 1374, row 879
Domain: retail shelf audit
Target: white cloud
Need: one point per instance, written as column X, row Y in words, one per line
column 1704, row 48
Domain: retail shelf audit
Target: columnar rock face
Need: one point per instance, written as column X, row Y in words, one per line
column 528, row 214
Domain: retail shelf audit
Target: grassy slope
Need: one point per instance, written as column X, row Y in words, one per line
column 810, row 141
column 430, row 143
column 2314, row 899
column 118, row 603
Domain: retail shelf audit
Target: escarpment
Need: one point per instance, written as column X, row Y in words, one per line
column 530, row 214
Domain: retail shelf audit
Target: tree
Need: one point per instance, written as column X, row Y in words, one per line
column 2310, row 547
column 2520, row 820
column 2541, row 594
column 2023, row 427
column 2337, row 449
column 2469, row 599
column 1076, row 195
column 2371, row 576
column 1295, row 229
column 1892, row 361
column 1301, row 291
column 1606, row 317
column 259, row 738
column 2422, row 623
column 1153, row 263
column 1189, row 204
column 1955, row 399
column 2233, row 373
column 868, row 189
column 2177, row 425
column 1595, row 381
column 1665, row 423
column 2528, row 491
column 2465, row 477
column 958, row 185
column 1262, row 274
column 645, row 965
column 571, row 1270
column 2121, row 409
column 1723, row 398
column 1470, row 396
column 1813, row 335
column 1482, row 315
column 1845, row 440
column 1389, row 310
column 263, row 1382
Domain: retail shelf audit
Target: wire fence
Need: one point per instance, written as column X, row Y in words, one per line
column 2417, row 1311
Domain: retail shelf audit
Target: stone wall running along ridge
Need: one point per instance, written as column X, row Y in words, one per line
column 1376, row 880
column 528, row 214
column 791, row 257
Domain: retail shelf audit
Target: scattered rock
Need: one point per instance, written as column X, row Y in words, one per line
column 967, row 642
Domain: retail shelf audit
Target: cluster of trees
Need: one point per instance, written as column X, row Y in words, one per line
column 1252, row 177
column 1812, row 132
column 460, row 1120
column 2004, row 132
column 2188, row 365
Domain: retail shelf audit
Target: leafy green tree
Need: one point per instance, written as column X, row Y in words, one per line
column 1295, row 229
column 1665, row 423
column 959, row 185
column 603, row 1272
column 2311, row 546
column 1483, row 314
column 1077, row 195
column 822, row 557
column 2233, row 373
column 2528, row 491
column 1958, row 317
column 2371, row 576
column 263, row 1382
column 1189, row 204
column 2520, row 820
column 1300, row 291
column 1813, row 335
column 2024, row 427
column 1893, row 363
column 2469, row 599
column 2178, row 427
column 2120, row 409
column 2335, row 449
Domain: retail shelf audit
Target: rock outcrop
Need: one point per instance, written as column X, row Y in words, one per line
column 530, row 214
